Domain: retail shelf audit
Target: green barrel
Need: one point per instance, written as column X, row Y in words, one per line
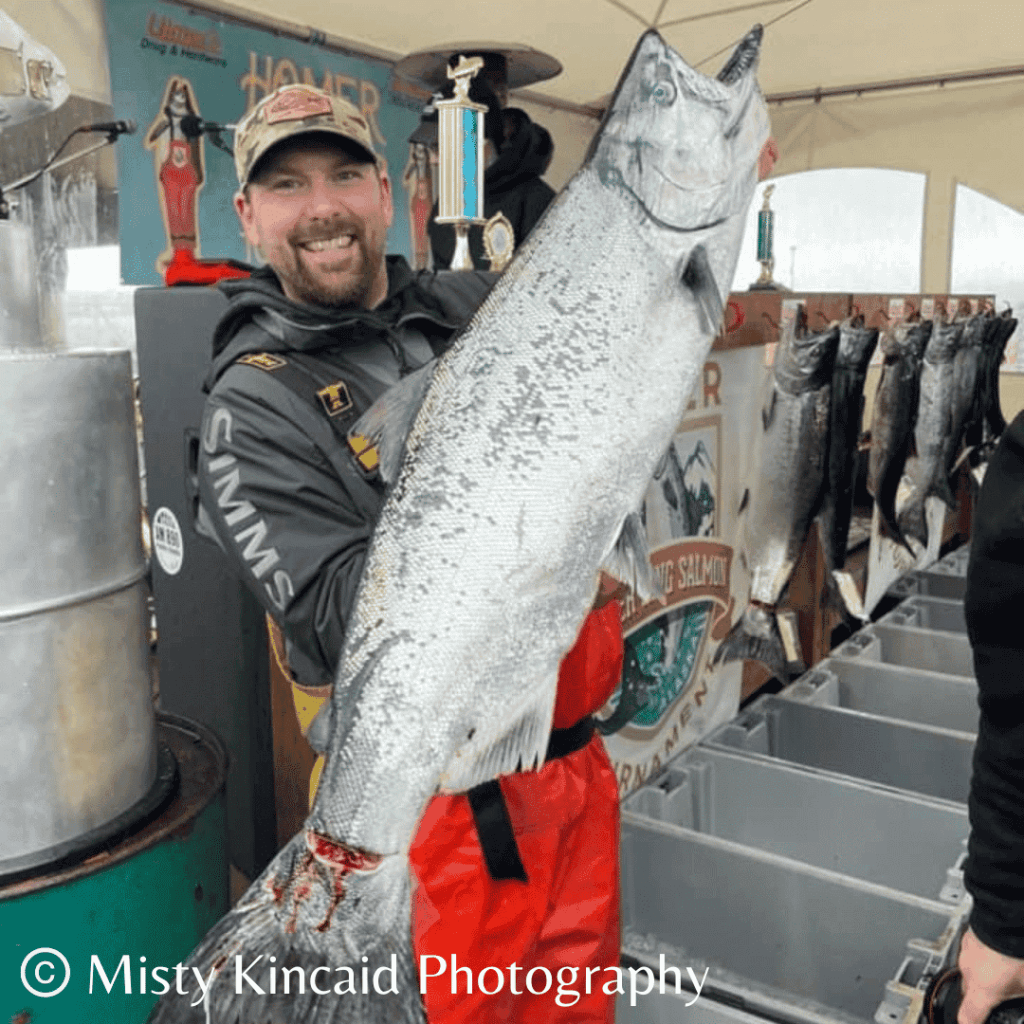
column 119, row 922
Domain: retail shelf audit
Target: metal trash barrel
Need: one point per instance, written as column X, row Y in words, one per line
column 77, row 732
column 96, row 942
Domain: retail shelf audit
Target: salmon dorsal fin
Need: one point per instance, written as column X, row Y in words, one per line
column 386, row 424
column 500, row 749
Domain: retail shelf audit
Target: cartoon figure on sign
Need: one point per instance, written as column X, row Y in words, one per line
column 177, row 146
column 419, row 184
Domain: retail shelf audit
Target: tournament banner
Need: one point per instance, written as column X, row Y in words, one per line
column 671, row 693
column 178, row 75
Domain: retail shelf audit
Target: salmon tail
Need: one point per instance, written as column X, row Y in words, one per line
column 262, row 964
column 943, row 491
column 886, row 502
column 756, row 637
column 912, row 524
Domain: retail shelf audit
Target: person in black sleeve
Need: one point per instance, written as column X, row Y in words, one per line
column 992, row 953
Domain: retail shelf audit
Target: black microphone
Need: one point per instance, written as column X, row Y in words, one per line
column 194, row 126
column 111, row 127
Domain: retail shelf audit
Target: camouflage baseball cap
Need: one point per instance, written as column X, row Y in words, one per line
column 294, row 110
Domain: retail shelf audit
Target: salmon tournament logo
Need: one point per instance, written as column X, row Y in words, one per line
column 667, row 639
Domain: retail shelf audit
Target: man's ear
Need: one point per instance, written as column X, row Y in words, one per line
column 246, row 217
column 385, row 191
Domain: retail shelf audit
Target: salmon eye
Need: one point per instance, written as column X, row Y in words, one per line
column 663, row 93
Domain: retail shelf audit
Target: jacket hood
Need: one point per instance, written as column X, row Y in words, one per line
column 260, row 318
column 526, row 153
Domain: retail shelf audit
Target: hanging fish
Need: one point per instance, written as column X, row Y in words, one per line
column 927, row 470
column 856, row 346
column 786, row 494
column 894, row 417
column 533, row 447
column 989, row 412
column 967, row 365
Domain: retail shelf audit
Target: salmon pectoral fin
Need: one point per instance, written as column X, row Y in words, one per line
column 629, row 560
column 700, row 279
column 387, row 423
column 285, row 952
column 497, row 748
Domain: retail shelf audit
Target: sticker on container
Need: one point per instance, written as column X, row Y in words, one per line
column 928, row 307
column 167, row 541
column 897, row 309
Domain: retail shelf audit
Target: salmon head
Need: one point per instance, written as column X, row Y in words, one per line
column 683, row 145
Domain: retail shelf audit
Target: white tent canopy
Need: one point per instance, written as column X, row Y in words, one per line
column 953, row 133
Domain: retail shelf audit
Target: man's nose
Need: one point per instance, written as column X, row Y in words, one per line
column 325, row 199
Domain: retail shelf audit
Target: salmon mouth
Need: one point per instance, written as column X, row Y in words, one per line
column 714, row 186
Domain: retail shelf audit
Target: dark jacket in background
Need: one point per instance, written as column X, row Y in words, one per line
column 512, row 186
column 994, row 606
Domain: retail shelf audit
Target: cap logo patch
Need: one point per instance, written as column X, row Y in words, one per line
column 295, row 105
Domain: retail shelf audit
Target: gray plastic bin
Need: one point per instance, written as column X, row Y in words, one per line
column 781, row 939
column 930, row 584
column 887, row 837
column 934, row 613
column 903, row 755
column 890, row 691
column 913, row 647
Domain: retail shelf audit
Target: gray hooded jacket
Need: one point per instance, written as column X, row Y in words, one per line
column 283, row 492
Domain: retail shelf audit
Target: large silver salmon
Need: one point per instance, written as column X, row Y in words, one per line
column 787, row 489
column 535, row 442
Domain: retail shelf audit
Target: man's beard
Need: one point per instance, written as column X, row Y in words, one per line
column 353, row 290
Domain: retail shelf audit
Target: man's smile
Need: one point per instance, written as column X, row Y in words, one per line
column 324, row 244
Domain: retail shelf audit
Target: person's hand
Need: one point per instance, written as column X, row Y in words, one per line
column 766, row 159
column 989, row 978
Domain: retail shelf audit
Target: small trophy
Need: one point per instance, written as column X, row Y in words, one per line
column 461, row 152
column 765, row 242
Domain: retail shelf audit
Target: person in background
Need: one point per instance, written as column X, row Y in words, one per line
column 518, row 151
column 992, row 952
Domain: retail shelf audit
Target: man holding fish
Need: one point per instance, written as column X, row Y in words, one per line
column 447, row 603
column 305, row 347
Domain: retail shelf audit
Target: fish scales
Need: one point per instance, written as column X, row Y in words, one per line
column 537, row 437
column 895, row 416
column 967, row 381
column 927, row 469
column 856, row 345
column 562, row 448
column 791, row 458
column 994, row 422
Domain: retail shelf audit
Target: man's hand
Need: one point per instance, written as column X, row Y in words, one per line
column 989, row 978
column 609, row 589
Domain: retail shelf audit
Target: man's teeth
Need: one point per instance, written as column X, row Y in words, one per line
column 322, row 244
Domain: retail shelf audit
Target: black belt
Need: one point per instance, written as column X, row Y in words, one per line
column 493, row 826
